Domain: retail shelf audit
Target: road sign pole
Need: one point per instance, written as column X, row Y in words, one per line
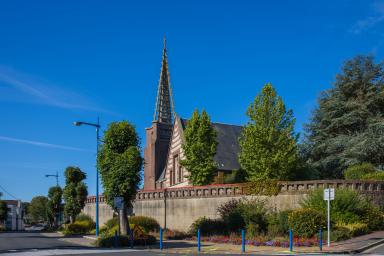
column 329, row 218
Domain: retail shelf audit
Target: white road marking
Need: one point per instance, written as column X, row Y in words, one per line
column 65, row 252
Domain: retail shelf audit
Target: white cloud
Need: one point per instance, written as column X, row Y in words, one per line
column 22, row 87
column 372, row 20
column 40, row 144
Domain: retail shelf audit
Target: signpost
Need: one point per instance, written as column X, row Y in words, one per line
column 329, row 194
column 118, row 202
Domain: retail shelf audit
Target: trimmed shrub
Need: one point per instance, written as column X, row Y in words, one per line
column 175, row 234
column 207, row 226
column 357, row 171
column 149, row 224
column 306, row 222
column 123, row 241
column 84, row 217
column 79, row 228
column 357, row 229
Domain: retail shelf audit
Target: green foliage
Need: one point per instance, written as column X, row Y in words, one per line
column 230, row 213
column 356, row 229
column 340, row 234
column 120, row 162
column 376, row 176
column 347, row 126
column 348, row 206
column 75, row 192
column 147, row 223
column 79, row 227
column 38, row 209
column 357, row 171
column 83, row 217
column 306, row 222
column 123, row 241
column 254, row 213
column 109, row 228
column 236, row 176
column 54, row 204
column 199, row 149
column 268, row 147
column 374, row 218
column 248, row 214
column 208, row 226
column 262, row 187
column 278, row 223
column 3, row 211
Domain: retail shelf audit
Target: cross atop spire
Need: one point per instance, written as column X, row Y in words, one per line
column 164, row 111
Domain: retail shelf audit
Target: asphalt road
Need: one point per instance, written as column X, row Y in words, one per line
column 378, row 250
column 30, row 240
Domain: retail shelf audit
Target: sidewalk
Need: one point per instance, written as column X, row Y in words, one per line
column 355, row 245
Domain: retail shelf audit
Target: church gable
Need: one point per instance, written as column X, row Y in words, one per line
column 174, row 172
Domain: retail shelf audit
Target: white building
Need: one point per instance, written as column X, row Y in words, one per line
column 14, row 221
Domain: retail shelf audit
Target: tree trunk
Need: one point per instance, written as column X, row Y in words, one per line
column 123, row 221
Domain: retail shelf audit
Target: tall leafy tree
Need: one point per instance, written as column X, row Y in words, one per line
column 268, row 144
column 3, row 211
column 75, row 192
column 54, row 204
column 347, row 127
column 199, row 149
column 38, row 209
column 120, row 164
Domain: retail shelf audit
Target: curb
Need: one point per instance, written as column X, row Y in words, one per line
column 90, row 238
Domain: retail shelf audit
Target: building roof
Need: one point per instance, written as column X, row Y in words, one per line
column 228, row 145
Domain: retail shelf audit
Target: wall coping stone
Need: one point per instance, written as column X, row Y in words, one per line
column 231, row 190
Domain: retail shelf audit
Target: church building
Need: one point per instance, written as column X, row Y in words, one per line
column 163, row 150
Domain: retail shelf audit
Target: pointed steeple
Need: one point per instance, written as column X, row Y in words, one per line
column 164, row 111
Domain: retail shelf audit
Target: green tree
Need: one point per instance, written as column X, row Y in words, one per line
column 347, row 126
column 54, row 204
column 3, row 211
column 75, row 192
column 120, row 164
column 268, row 148
column 199, row 149
column 38, row 209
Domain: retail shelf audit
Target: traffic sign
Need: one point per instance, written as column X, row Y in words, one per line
column 329, row 194
column 118, row 202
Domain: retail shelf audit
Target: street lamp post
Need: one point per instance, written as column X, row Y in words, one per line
column 54, row 175
column 97, row 125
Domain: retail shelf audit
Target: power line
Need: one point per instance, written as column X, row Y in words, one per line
column 6, row 192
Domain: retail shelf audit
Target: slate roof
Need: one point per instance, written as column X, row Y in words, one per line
column 228, row 145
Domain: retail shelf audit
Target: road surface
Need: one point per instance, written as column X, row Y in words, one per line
column 378, row 250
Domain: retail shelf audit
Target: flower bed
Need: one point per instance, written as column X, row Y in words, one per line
column 261, row 241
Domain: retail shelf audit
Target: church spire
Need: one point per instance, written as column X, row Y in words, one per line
column 164, row 111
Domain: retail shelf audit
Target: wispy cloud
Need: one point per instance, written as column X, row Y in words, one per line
column 376, row 17
column 23, row 87
column 40, row 144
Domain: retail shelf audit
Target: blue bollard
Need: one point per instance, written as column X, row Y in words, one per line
column 290, row 240
column 321, row 239
column 161, row 239
column 198, row 240
column 242, row 241
column 116, row 241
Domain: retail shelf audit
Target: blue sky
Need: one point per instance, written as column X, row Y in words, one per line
column 62, row 61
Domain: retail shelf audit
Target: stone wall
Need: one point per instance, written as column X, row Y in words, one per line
column 177, row 208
